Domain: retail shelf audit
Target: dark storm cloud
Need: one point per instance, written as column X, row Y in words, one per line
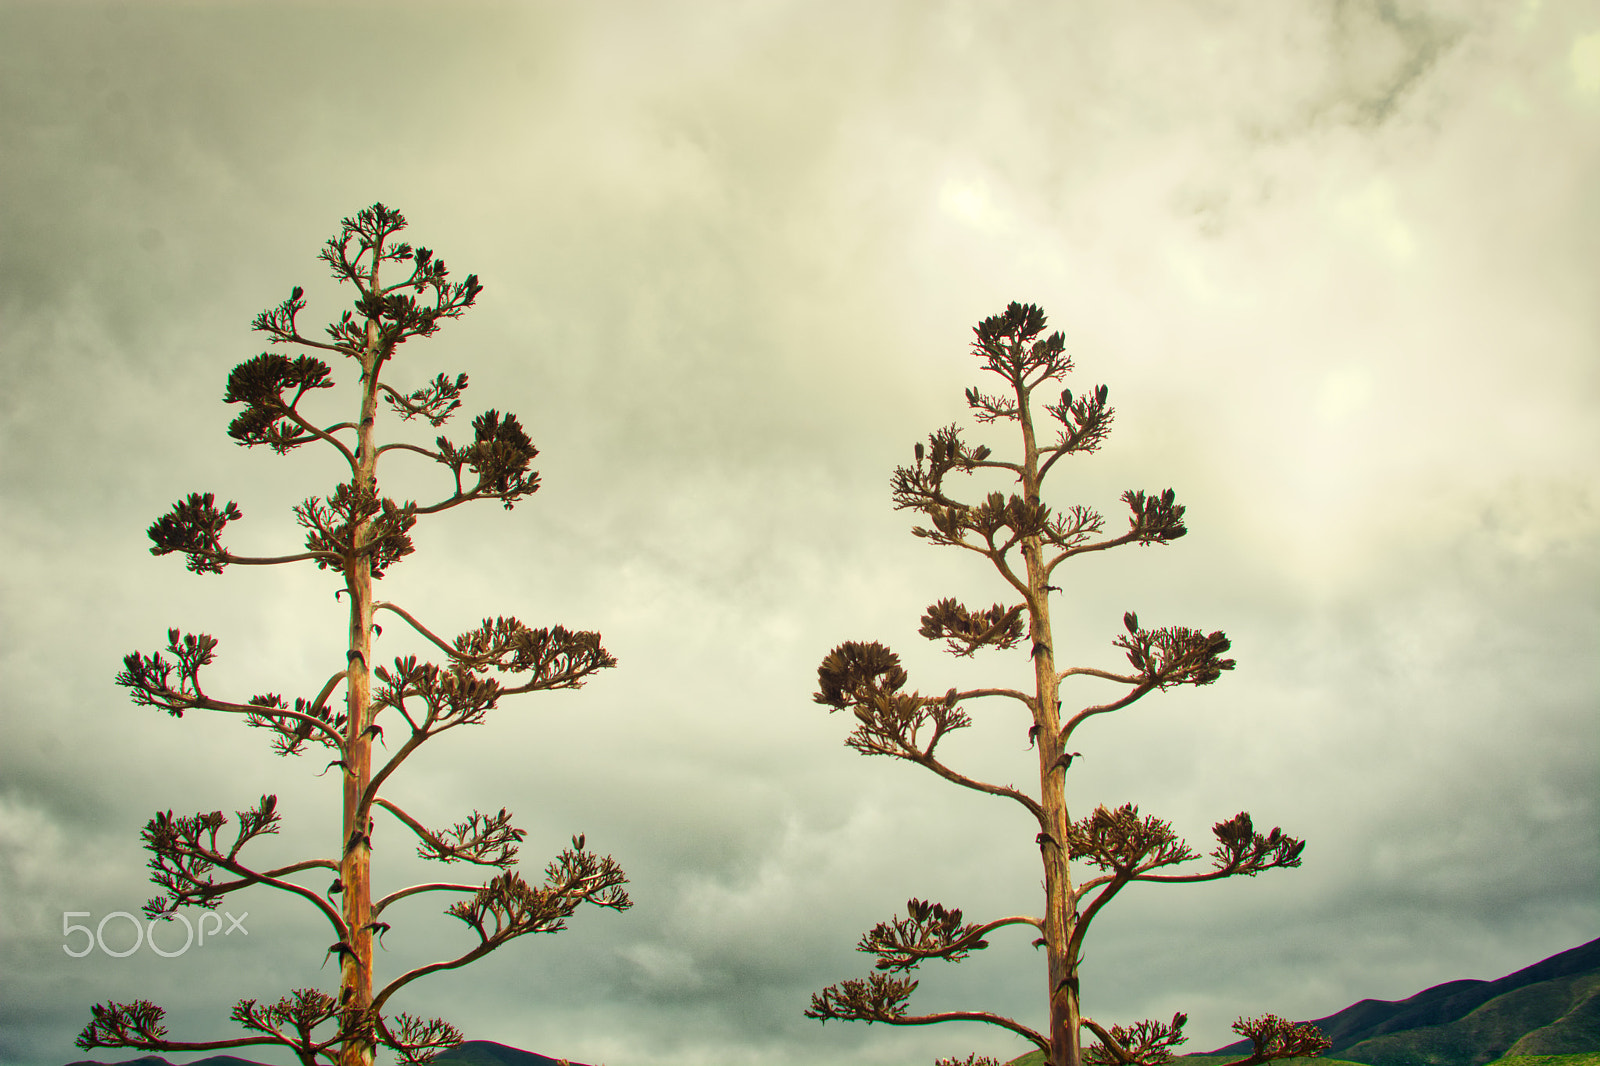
column 1384, row 51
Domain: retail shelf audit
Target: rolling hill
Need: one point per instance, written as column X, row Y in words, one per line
column 1549, row 1008
column 470, row 1053
column 1547, row 1014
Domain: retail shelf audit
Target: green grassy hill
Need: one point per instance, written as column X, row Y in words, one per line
column 1556, row 1017
column 1036, row 1058
column 1589, row 1058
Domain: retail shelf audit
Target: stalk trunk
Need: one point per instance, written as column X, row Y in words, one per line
column 355, row 977
column 1059, row 917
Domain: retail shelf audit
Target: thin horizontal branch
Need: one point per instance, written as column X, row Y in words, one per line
column 435, row 456
column 327, row 688
column 418, row 737
column 369, row 795
column 466, row 850
column 412, row 890
column 242, row 560
column 307, row 864
column 1055, row 451
column 323, row 434
column 1107, row 675
column 972, row 1016
column 999, row 561
column 295, row 338
column 981, row 786
column 1180, row 879
column 456, row 501
column 1104, row 708
column 1112, row 1045
column 273, row 879
column 1081, row 549
column 418, row 626
column 1016, row 919
column 1080, row 928
column 198, row 1045
column 248, row 876
column 410, row 822
column 1025, row 699
column 433, row 967
column 460, row 498
column 206, row 703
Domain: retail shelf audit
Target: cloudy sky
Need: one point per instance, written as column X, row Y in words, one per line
column 1336, row 262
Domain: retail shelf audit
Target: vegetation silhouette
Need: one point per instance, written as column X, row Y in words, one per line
column 359, row 534
column 868, row 680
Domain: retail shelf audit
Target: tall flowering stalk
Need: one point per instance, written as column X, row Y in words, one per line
column 401, row 293
column 1024, row 540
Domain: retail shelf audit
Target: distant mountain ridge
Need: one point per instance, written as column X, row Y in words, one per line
column 487, row 1053
column 1549, row 1008
column 469, row 1053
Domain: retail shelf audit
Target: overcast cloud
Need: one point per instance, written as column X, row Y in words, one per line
column 1336, row 262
